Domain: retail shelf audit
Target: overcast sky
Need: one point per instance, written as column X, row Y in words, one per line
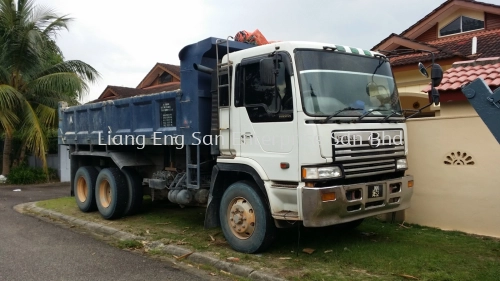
column 124, row 39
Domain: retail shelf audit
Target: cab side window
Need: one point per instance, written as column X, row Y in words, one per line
column 266, row 103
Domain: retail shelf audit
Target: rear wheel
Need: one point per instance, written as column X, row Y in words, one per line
column 111, row 193
column 135, row 191
column 84, row 188
column 245, row 218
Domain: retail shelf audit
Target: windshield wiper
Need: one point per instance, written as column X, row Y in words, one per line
column 390, row 115
column 338, row 112
column 369, row 112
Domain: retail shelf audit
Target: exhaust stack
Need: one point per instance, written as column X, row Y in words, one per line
column 202, row 68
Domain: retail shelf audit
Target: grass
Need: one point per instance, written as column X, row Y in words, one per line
column 376, row 250
column 129, row 244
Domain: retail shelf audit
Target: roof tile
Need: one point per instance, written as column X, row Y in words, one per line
column 488, row 46
column 175, row 69
column 458, row 75
column 495, row 82
column 125, row 92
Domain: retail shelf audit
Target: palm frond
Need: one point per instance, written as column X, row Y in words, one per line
column 34, row 132
column 8, row 120
column 9, row 97
column 61, row 82
column 52, row 99
column 4, row 71
column 46, row 115
column 7, row 12
column 86, row 71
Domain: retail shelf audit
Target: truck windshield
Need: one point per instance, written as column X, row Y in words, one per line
column 346, row 84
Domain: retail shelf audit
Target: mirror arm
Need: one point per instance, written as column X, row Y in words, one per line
column 434, row 92
column 418, row 111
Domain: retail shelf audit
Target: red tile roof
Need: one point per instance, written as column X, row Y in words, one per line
column 174, row 69
column 436, row 10
column 439, row 8
column 488, row 45
column 468, row 71
column 125, row 92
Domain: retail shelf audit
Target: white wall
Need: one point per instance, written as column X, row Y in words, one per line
column 64, row 167
column 450, row 196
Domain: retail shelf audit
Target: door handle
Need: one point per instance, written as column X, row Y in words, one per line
column 245, row 135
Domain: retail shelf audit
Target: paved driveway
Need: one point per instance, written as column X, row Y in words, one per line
column 32, row 249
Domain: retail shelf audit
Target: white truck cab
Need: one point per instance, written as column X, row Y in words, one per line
column 321, row 126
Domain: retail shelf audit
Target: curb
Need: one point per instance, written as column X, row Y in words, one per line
column 235, row 269
column 50, row 184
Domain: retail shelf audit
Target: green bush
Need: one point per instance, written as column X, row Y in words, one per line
column 26, row 175
column 53, row 175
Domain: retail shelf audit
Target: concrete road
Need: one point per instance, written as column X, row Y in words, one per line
column 32, row 249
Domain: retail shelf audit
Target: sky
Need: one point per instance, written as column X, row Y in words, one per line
column 124, row 39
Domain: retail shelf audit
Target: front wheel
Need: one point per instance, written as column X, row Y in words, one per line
column 245, row 218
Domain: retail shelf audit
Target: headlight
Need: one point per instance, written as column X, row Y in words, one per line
column 315, row 173
column 401, row 164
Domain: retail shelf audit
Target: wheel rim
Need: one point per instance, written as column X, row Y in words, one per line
column 82, row 189
column 241, row 218
column 105, row 193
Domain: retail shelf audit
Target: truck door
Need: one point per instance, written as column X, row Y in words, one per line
column 268, row 125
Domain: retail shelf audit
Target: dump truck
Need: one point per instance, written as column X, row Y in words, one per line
column 260, row 136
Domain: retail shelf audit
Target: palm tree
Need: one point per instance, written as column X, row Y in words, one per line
column 32, row 82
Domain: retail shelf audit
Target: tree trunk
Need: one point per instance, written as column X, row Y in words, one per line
column 22, row 154
column 7, row 149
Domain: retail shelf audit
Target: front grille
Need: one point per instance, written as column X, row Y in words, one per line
column 360, row 156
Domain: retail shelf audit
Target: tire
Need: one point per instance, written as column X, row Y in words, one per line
column 247, row 202
column 84, row 188
column 135, row 191
column 111, row 193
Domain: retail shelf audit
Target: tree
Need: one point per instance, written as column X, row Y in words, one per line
column 34, row 77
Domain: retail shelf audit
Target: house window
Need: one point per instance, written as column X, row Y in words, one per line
column 165, row 78
column 461, row 24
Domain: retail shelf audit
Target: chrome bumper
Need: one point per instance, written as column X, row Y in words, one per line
column 355, row 201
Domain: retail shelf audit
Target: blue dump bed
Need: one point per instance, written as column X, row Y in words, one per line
column 186, row 112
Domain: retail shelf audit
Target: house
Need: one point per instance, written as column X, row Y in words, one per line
column 162, row 77
column 457, row 30
column 452, row 154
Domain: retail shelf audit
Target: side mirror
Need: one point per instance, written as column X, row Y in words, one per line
column 267, row 74
column 436, row 78
column 435, row 96
column 436, row 75
column 422, row 69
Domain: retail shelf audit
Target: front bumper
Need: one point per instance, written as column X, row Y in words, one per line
column 353, row 202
